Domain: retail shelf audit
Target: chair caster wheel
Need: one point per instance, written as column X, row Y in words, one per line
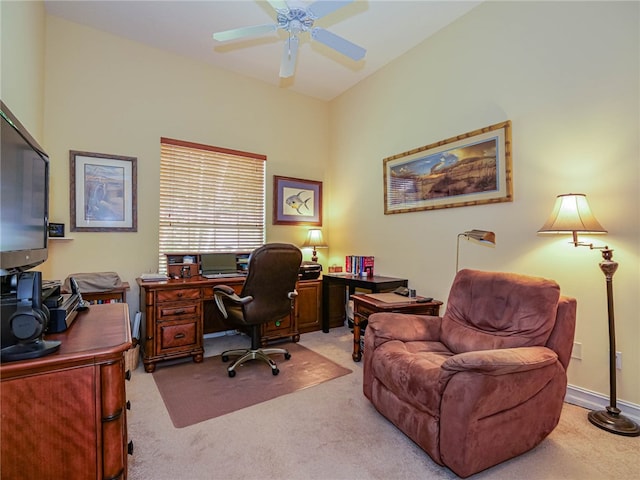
column 225, row 358
column 275, row 371
column 232, row 373
column 287, row 356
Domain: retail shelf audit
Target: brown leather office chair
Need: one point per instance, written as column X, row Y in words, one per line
column 267, row 295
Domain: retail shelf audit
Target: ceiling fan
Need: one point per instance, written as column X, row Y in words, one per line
column 294, row 20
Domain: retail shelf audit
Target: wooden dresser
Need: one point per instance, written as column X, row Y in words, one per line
column 64, row 415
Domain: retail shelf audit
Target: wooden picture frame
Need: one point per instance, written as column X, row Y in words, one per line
column 471, row 169
column 297, row 201
column 103, row 192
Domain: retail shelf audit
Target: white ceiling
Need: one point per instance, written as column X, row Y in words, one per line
column 385, row 28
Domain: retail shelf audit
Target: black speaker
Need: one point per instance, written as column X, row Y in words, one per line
column 29, row 321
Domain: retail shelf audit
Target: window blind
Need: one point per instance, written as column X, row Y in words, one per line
column 211, row 199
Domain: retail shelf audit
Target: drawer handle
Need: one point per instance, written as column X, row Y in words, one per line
column 179, row 335
column 179, row 312
column 180, row 294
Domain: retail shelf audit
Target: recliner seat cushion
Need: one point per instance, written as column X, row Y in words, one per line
column 412, row 370
column 489, row 310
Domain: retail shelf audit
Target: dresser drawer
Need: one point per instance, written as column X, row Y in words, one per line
column 177, row 310
column 177, row 335
column 178, row 295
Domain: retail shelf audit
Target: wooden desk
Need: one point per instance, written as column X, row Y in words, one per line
column 177, row 313
column 365, row 305
column 334, row 295
column 64, row 415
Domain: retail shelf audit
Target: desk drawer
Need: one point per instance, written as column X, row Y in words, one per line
column 364, row 311
column 178, row 295
column 207, row 292
column 176, row 311
column 174, row 335
column 282, row 324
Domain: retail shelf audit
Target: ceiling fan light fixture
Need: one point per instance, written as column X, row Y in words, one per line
column 296, row 20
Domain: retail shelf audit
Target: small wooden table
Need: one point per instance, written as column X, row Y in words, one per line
column 367, row 304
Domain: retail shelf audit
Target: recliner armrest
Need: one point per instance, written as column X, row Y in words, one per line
column 501, row 361
column 403, row 327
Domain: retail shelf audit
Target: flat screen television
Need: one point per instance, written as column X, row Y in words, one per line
column 24, row 197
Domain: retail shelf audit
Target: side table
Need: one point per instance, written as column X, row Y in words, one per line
column 334, row 293
column 367, row 304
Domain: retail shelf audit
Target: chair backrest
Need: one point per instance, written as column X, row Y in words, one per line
column 273, row 273
column 488, row 310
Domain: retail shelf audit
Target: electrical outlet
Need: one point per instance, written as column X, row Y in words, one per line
column 576, row 352
column 619, row 360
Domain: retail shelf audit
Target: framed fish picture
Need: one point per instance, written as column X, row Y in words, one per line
column 297, row 201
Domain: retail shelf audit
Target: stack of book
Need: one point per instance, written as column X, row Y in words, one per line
column 359, row 265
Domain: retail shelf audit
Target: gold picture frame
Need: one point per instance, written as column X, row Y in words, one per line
column 474, row 168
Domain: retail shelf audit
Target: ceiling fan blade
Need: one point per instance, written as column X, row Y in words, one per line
column 321, row 7
column 289, row 55
column 244, row 32
column 338, row 43
column 279, row 4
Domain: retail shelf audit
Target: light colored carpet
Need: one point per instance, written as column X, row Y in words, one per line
column 331, row 431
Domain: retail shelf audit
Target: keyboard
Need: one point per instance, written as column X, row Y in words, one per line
column 224, row 275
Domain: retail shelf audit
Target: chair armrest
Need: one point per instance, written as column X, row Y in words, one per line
column 385, row 326
column 501, row 361
column 225, row 291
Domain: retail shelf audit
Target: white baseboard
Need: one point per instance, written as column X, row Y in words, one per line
column 596, row 401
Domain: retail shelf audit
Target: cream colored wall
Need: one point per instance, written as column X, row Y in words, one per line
column 106, row 94
column 22, row 50
column 567, row 76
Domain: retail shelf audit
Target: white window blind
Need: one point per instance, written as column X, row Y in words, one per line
column 211, row 199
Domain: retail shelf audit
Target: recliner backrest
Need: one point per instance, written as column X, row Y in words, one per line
column 490, row 310
column 273, row 273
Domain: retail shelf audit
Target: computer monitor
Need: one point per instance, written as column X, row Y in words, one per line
column 213, row 263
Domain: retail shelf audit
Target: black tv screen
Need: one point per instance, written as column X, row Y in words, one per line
column 24, row 197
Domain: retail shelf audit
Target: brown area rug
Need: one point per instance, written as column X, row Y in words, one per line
column 195, row 392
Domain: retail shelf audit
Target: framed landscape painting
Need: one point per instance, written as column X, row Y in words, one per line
column 471, row 169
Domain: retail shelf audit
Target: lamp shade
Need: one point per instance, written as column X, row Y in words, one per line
column 314, row 239
column 482, row 236
column 571, row 213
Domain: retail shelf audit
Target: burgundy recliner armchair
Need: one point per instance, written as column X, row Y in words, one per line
column 485, row 382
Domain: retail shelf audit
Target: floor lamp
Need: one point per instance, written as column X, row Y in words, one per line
column 483, row 237
column 571, row 214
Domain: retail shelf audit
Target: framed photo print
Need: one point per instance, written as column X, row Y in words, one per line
column 56, row 230
column 103, row 192
column 471, row 169
column 297, row 201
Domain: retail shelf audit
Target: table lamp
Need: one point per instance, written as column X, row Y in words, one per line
column 571, row 214
column 483, row 237
column 314, row 240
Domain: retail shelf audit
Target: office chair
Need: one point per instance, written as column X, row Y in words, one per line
column 268, row 294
